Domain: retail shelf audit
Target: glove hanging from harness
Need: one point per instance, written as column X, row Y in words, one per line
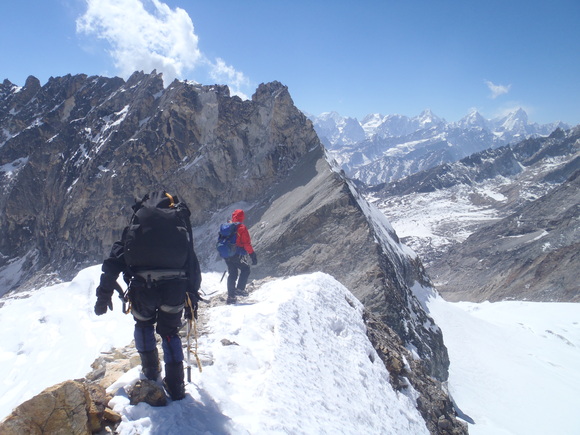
column 191, row 305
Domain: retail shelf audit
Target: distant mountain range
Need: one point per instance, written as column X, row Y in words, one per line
column 500, row 224
column 382, row 148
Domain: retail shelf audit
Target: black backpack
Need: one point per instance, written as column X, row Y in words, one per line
column 158, row 236
column 226, row 243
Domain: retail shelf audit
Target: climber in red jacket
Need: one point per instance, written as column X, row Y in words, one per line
column 238, row 264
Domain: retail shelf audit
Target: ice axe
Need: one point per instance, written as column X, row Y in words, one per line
column 123, row 296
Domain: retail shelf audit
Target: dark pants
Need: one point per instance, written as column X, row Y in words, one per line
column 160, row 304
column 235, row 264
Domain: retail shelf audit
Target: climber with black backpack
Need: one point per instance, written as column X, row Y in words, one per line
column 235, row 245
column 159, row 264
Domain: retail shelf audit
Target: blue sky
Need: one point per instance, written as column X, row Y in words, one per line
column 352, row 57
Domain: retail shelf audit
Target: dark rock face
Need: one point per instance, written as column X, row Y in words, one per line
column 434, row 404
column 315, row 221
column 78, row 151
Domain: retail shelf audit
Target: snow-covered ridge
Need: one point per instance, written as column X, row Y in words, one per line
column 300, row 355
column 302, row 363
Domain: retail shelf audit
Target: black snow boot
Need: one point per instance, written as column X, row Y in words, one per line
column 173, row 381
column 150, row 364
column 241, row 292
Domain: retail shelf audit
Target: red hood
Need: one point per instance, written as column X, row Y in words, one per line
column 238, row 216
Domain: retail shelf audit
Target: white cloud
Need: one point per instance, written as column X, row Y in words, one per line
column 497, row 90
column 222, row 72
column 147, row 35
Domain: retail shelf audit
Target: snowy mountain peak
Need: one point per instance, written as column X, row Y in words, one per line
column 515, row 120
column 428, row 119
column 331, row 116
column 472, row 120
column 396, row 146
column 371, row 122
column 373, row 119
column 334, row 128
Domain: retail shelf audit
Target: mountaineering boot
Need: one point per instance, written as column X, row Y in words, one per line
column 241, row 292
column 150, row 364
column 173, row 381
column 231, row 300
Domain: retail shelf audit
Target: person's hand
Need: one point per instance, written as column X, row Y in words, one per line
column 103, row 302
column 254, row 258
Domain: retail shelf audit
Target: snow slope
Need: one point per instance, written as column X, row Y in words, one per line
column 515, row 366
column 51, row 335
column 301, row 362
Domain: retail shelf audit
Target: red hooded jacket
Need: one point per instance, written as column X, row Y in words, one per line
column 243, row 238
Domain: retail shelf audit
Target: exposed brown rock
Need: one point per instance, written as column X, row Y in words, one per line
column 433, row 402
column 97, row 405
column 111, row 416
column 59, row 410
column 110, row 366
column 149, row 392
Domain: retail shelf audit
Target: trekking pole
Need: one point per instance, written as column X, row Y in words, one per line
column 224, row 274
column 190, row 308
column 188, row 350
column 193, row 320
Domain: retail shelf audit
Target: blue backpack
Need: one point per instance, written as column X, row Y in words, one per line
column 226, row 244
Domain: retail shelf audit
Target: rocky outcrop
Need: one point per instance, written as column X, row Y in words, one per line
column 72, row 407
column 434, row 403
column 81, row 406
column 146, row 391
